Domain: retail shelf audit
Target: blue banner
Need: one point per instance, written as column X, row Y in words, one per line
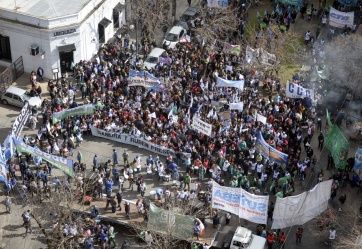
column 230, row 83
column 142, row 78
column 270, row 152
column 358, row 159
column 348, row 3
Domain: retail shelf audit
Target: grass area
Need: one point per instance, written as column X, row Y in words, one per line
column 287, row 71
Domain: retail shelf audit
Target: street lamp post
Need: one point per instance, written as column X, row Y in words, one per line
column 132, row 27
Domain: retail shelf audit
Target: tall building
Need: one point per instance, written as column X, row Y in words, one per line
column 53, row 34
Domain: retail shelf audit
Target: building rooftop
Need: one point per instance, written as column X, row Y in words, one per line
column 44, row 9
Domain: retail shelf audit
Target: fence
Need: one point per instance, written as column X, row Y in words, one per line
column 11, row 74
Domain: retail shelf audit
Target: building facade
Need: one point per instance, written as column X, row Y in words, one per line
column 55, row 34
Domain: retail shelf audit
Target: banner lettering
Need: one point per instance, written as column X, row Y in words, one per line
column 340, row 19
column 238, row 201
column 295, row 91
column 21, row 120
column 201, row 126
column 136, row 141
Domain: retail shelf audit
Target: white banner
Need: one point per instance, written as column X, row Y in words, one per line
column 133, row 140
column 201, row 126
column 260, row 118
column 299, row 209
column 237, row 201
column 295, row 91
column 267, row 58
column 236, row 106
column 21, row 120
column 340, row 19
column 230, row 83
column 251, row 54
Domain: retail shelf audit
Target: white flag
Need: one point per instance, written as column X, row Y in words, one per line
column 153, row 115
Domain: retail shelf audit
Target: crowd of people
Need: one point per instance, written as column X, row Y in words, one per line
column 189, row 89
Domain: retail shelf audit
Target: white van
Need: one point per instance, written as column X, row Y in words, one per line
column 17, row 97
column 173, row 36
column 244, row 239
column 152, row 58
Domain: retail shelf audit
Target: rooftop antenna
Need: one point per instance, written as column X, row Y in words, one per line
column 16, row 7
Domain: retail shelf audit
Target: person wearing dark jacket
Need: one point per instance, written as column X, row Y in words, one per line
column 119, row 199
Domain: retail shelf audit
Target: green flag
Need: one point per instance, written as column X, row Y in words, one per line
column 170, row 223
column 328, row 119
column 338, row 145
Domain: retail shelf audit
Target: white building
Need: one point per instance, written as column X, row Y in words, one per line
column 54, row 33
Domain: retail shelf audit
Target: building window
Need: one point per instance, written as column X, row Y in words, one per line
column 5, row 50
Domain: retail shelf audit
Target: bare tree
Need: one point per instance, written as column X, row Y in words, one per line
column 53, row 211
column 151, row 16
column 343, row 57
column 348, row 224
column 285, row 45
column 170, row 235
column 216, row 24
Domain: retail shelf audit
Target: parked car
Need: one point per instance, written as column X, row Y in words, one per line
column 190, row 14
column 152, row 59
column 173, row 36
column 17, row 97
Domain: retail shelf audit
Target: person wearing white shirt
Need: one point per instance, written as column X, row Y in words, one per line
column 332, row 236
column 225, row 166
column 259, row 169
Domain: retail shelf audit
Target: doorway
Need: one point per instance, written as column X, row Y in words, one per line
column 66, row 60
column 101, row 32
column 115, row 19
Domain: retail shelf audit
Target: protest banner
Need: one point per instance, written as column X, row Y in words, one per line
column 339, row 19
column 164, row 60
column 64, row 164
column 223, row 4
column 21, row 120
column 238, row 201
column 80, row 110
column 299, row 209
column 251, row 54
column 291, row 2
column 338, row 145
column 142, row 78
column 230, row 83
column 348, row 3
column 269, row 152
column 236, row 106
column 358, row 160
column 201, row 126
column 235, row 49
column 267, row 58
column 295, row 91
column 135, row 141
column 170, row 222
column 260, row 118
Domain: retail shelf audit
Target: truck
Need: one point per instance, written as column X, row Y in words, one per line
column 243, row 238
